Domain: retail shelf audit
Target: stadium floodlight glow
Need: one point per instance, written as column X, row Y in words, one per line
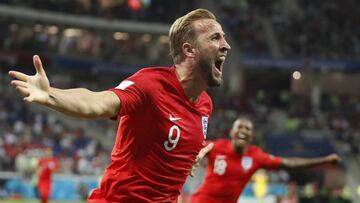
column 146, row 38
column 52, row 30
column 72, row 32
column 296, row 75
column 121, row 36
column 164, row 39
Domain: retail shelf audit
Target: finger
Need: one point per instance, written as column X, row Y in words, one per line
column 28, row 99
column 38, row 64
column 192, row 174
column 19, row 83
column 205, row 150
column 19, row 75
column 23, row 90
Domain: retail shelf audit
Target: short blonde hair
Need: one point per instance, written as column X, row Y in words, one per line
column 182, row 30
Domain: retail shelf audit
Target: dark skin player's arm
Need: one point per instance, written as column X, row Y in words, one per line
column 305, row 163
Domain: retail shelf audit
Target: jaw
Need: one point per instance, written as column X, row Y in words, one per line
column 238, row 145
column 241, row 140
column 215, row 77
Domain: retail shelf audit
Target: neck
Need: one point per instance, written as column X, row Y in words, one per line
column 191, row 79
column 238, row 150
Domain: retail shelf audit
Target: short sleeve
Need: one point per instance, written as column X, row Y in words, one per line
column 268, row 161
column 132, row 93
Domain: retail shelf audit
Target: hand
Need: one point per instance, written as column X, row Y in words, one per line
column 200, row 156
column 34, row 88
column 333, row 158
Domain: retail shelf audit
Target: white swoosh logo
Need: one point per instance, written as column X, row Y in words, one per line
column 174, row 118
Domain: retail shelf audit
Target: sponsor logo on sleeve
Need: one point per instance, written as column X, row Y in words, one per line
column 124, row 84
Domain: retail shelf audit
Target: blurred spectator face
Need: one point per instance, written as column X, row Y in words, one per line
column 241, row 133
column 210, row 49
column 48, row 152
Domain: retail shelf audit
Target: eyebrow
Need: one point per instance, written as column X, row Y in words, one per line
column 218, row 33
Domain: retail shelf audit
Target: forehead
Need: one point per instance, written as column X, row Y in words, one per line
column 207, row 27
column 243, row 122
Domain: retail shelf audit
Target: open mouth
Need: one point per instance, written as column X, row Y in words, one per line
column 242, row 136
column 218, row 64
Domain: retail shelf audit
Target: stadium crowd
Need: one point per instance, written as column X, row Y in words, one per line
column 317, row 29
column 104, row 45
column 137, row 10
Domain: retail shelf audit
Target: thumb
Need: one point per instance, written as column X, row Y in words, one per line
column 38, row 64
column 205, row 150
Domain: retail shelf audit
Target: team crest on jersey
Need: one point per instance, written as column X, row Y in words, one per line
column 204, row 121
column 246, row 163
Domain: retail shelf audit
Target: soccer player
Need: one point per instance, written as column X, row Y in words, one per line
column 163, row 112
column 46, row 166
column 231, row 163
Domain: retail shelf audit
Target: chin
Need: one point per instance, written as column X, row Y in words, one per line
column 215, row 82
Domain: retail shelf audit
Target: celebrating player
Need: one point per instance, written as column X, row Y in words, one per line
column 163, row 112
column 231, row 163
column 46, row 166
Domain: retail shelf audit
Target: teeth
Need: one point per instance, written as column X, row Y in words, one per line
column 242, row 136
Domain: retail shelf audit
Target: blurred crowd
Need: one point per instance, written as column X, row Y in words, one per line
column 25, row 130
column 323, row 30
column 139, row 10
column 124, row 47
column 317, row 29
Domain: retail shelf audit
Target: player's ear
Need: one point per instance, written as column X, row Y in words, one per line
column 188, row 50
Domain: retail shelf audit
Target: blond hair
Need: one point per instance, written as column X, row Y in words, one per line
column 182, row 30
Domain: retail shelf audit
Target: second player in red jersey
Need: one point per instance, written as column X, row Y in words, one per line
column 226, row 166
column 231, row 163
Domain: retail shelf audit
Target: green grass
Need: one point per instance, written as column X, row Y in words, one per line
column 35, row 201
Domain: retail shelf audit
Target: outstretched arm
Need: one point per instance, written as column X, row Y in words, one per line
column 79, row 102
column 304, row 163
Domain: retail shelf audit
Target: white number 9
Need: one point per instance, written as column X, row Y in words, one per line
column 171, row 143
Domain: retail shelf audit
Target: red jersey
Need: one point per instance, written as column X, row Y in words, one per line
column 228, row 172
column 46, row 167
column 159, row 136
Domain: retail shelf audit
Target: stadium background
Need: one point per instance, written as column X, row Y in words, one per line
column 294, row 69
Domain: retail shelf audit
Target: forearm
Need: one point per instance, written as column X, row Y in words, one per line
column 302, row 163
column 82, row 103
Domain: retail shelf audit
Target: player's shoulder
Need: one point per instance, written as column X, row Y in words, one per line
column 156, row 71
column 221, row 143
column 152, row 77
column 253, row 149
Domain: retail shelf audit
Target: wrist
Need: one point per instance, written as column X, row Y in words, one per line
column 50, row 100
